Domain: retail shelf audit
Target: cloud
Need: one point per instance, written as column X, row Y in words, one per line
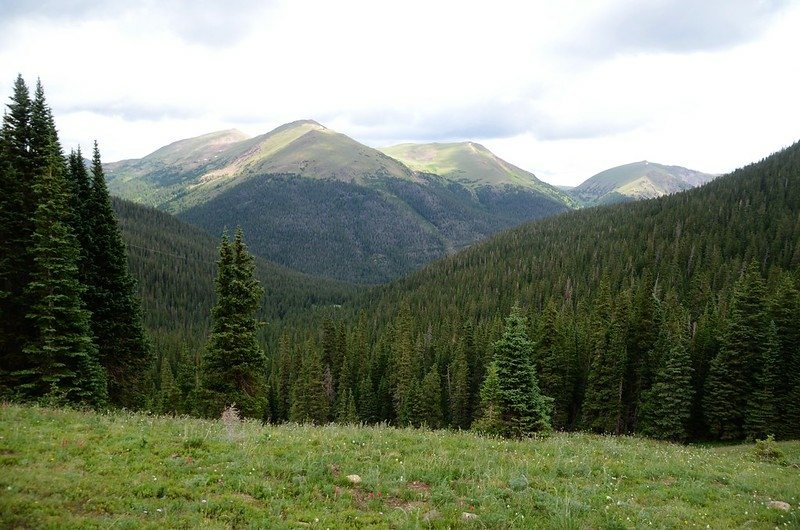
column 676, row 26
column 131, row 110
column 478, row 120
column 204, row 22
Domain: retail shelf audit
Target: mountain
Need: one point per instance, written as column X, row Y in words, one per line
column 471, row 165
column 319, row 202
column 639, row 180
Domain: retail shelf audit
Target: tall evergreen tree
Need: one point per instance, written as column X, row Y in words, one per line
column 762, row 417
column 16, row 229
column 309, row 398
column 112, row 298
column 523, row 409
column 81, row 198
column 62, row 354
column 785, row 313
column 367, row 407
column 346, row 413
column 602, row 405
column 410, row 414
column 460, row 414
column 731, row 373
column 431, row 399
column 489, row 419
column 666, row 405
column 554, row 366
column 234, row 365
column 402, row 358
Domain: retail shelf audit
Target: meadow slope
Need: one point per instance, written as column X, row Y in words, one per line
column 75, row 469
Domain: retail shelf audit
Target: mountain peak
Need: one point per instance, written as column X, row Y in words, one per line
column 637, row 180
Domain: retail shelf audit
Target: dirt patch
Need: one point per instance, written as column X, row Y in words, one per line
column 419, row 486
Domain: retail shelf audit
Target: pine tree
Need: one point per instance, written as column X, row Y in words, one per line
column 761, row 417
column 460, row 417
column 554, row 365
column 402, row 358
column 785, row 313
column 62, row 353
column 602, row 405
column 367, row 407
column 309, row 399
column 168, row 392
column 523, row 409
column 16, row 228
column 666, row 405
column 346, row 413
column 234, row 365
column 489, row 419
column 431, row 399
column 80, row 206
column 731, row 373
column 111, row 297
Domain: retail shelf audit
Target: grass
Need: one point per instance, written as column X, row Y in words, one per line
column 73, row 469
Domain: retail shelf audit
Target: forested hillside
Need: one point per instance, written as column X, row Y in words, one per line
column 365, row 234
column 174, row 264
column 676, row 317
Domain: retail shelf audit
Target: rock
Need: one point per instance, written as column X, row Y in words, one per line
column 354, row 479
column 469, row 516
column 780, row 505
column 431, row 516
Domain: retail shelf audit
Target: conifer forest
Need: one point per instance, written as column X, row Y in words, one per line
column 675, row 318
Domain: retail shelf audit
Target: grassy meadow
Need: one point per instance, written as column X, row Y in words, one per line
column 63, row 468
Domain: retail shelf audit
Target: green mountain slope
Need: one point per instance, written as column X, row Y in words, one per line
column 322, row 203
column 471, row 165
column 639, row 180
column 174, row 264
column 601, row 285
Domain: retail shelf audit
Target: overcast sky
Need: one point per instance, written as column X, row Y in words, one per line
column 564, row 89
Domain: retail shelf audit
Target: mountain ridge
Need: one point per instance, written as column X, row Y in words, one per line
column 357, row 213
column 637, row 180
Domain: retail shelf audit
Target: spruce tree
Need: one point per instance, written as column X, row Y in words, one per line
column 367, row 407
column 309, row 398
column 602, row 405
column 402, row 358
column 731, row 373
column 16, row 228
column 489, row 419
column 460, row 417
column 112, row 297
column 554, row 365
column 431, row 401
column 234, row 364
column 666, row 405
column 762, row 418
column 785, row 313
column 346, row 413
column 62, row 354
column 523, row 409
column 410, row 414
column 81, row 221
column 169, row 396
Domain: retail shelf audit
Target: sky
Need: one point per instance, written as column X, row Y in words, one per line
column 563, row 89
